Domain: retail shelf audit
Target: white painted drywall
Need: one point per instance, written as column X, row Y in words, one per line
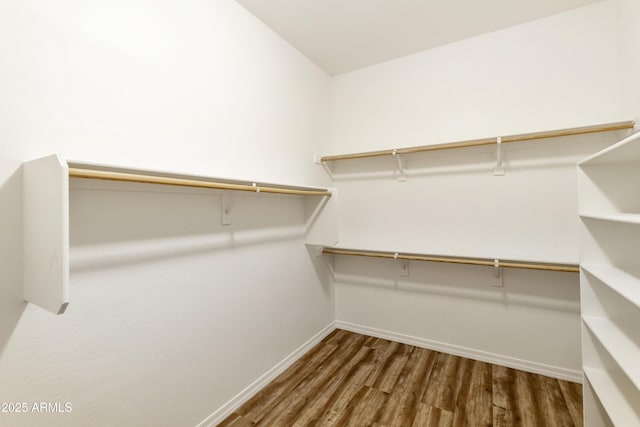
column 557, row 72
column 629, row 51
column 171, row 314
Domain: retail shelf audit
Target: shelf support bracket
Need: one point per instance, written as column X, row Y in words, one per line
column 499, row 169
column 325, row 165
column 402, row 176
column 327, row 168
column 404, row 268
column 227, row 205
column 497, row 273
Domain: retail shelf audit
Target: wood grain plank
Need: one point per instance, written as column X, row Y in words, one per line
column 280, row 387
column 346, row 377
column 377, row 343
column 503, row 397
column 354, row 380
column 474, row 400
column 338, row 337
column 518, row 400
column 443, row 382
column 286, row 411
column 389, row 367
column 552, row 403
column 289, row 410
column 430, row 416
column 368, row 409
column 412, row 384
column 572, row 394
column 236, row 420
column 342, row 403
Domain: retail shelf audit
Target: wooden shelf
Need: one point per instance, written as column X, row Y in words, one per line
column 46, row 215
column 623, row 283
column 618, row 396
column 621, row 348
column 629, row 218
column 607, row 127
column 454, row 260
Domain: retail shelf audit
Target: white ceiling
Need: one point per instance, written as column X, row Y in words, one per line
column 344, row 35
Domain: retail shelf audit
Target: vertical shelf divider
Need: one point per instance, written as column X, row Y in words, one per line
column 46, row 233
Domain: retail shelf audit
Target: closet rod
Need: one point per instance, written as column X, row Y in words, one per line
column 152, row 179
column 487, row 262
column 488, row 141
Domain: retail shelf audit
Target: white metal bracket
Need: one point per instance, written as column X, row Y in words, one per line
column 325, row 165
column 499, row 169
column 497, row 273
column 404, row 268
column 254, row 185
column 227, row 205
column 327, row 169
column 402, row 176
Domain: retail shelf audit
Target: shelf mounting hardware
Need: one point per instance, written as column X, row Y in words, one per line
column 402, row 176
column 317, row 159
column 497, row 273
column 227, row 205
column 499, row 169
column 404, row 268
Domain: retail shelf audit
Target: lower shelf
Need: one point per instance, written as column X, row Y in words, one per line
column 618, row 396
column 618, row 280
column 622, row 349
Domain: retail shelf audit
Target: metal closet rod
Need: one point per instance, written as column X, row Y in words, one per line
column 181, row 182
column 607, row 127
column 472, row 261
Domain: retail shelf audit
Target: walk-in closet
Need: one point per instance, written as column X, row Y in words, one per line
column 319, row 213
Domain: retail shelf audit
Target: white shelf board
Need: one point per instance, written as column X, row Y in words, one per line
column 623, row 283
column 624, row 151
column 84, row 164
column 621, row 348
column 628, row 218
column 617, row 395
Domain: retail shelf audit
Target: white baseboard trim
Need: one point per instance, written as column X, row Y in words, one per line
column 497, row 359
column 227, row 409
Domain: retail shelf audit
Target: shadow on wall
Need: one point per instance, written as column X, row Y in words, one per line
column 12, row 304
column 112, row 227
column 323, row 269
column 540, row 289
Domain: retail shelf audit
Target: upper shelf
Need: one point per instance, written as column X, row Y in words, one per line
column 607, row 127
column 623, row 151
column 628, row 218
column 46, row 216
column 78, row 169
column 620, row 281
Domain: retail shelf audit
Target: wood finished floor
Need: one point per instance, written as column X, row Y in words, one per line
column 355, row 380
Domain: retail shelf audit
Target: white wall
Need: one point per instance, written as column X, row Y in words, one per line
column 557, row 72
column 552, row 73
column 171, row 314
column 629, row 54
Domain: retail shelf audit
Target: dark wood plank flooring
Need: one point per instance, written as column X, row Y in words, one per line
column 350, row 379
